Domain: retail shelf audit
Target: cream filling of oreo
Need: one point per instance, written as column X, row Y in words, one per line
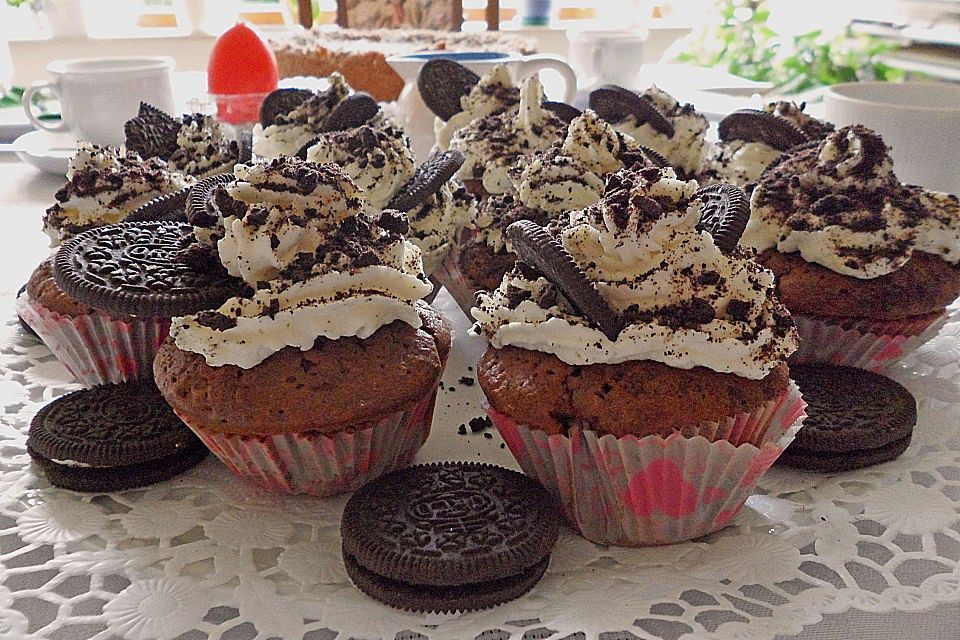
column 641, row 269
column 75, row 463
column 333, row 305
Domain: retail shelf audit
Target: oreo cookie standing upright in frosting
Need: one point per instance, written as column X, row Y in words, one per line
column 451, row 536
column 614, row 104
column 855, row 419
column 112, row 437
column 427, row 180
column 442, row 83
column 751, row 125
column 724, row 214
column 152, row 133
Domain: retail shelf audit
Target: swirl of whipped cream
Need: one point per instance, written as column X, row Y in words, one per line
column 685, row 303
column 332, row 269
column 203, row 148
column 290, row 131
column 493, row 144
column 841, row 206
column 104, row 185
column 685, row 149
column 436, row 223
column 494, row 93
column 378, row 159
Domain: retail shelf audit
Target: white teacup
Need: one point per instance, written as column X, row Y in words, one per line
column 98, row 95
column 920, row 121
column 606, row 57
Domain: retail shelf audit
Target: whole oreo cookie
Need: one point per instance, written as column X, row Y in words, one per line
column 137, row 268
column 280, row 102
column 724, row 214
column 855, row 419
column 427, row 180
column 152, row 133
column 169, row 206
column 442, row 83
column 451, row 536
column 352, row 111
column 112, row 437
column 751, row 125
column 534, row 246
column 614, row 104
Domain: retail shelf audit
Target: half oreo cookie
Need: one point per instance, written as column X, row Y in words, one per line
column 751, row 125
column 724, row 214
column 442, row 83
column 112, row 437
column 152, row 133
column 615, row 104
column 353, row 111
column 451, row 536
column 855, row 419
column 427, row 180
column 280, row 102
column 138, row 268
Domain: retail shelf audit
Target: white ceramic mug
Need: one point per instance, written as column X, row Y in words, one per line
column 919, row 121
column 606, row 57
column 98, row 95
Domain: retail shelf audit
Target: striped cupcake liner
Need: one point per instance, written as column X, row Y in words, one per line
column 631, row 491
column 94, row 347
column 323, row 465
column 453, row 280
column 865, row 344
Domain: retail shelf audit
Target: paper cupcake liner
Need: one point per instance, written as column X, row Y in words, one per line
column 631, row 491
column 322, row 465
column 94, row 347
column 865, row 344
column 450, row 276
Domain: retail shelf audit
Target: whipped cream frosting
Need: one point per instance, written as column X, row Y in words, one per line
column 686, row 148
column 494, row 93
column 320, row 266
column 104, row 185
column 290, row 131
column 841, row 206
column 203, row 147
column 436, row 223
column 685, row 303
column 378, row 159
column 741, row 163
column 494, row 143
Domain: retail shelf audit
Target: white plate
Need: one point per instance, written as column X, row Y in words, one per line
column 49, row 152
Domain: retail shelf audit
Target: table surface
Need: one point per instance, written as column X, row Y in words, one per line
column 872, row 554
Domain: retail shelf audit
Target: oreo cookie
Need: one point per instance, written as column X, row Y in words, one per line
column 751, row 125
column 138, row 268
column 442, row 83
column 562, row 110
column 200, row 208
column 427, row 180
column 724, row 214
column 112, row 437
column 352, row 111
column 855, row 419
column 169, row 206
column 614, row 104
column 535, row 247
column 281, row 102
column 152, row 133
column 450, row 536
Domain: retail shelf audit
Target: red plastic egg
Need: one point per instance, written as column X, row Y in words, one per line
column 241, row 71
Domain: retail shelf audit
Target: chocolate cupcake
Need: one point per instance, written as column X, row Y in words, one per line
column 637, row 361
column 105, row 185
column 325, row 376
column 750, row 140
column 866, row 264
column 656, row 120
column 547, row 185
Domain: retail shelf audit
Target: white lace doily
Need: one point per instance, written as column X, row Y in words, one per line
column 209, row 556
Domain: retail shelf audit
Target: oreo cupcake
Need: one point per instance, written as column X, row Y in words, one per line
column 104, row 185
column 657, row 121
column 326, row 375
column 637, row 364
column 751, row 140
column 546, row 185
column 866, row 264
column 194, row 144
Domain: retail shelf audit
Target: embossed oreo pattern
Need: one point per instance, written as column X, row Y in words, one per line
column 724, row 214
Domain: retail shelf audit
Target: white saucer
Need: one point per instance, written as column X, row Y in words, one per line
column 47, row 151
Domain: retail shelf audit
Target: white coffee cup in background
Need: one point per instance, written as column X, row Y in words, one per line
column 98, row 95
column 919, row 121
column 606, row 56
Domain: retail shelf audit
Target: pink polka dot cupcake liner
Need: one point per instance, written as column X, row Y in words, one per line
column 873, row 346
column 631, row 491
column 94, row 347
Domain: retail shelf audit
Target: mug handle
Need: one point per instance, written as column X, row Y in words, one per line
column 27, row 102
column 532, row 64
